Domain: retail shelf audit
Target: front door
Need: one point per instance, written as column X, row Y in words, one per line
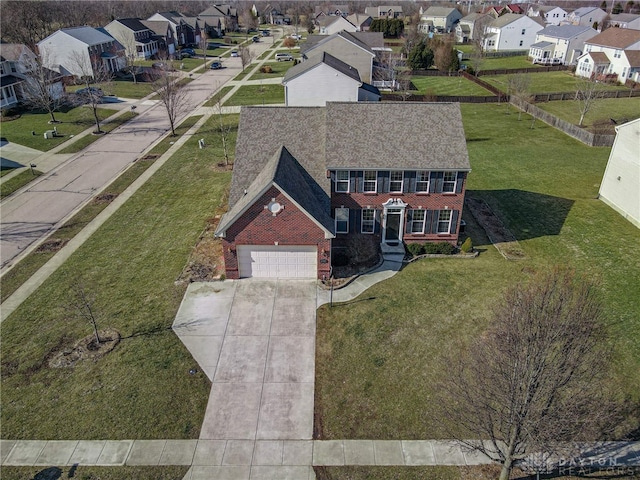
column 392, row 230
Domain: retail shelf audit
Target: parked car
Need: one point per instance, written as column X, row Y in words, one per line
column 90, row 91
column 216, row 65
column 295, row 36
column 234, row 53
column 265, row 33
column 284, row 57
column 256, row 39
column 160, row 65
column 187, row 53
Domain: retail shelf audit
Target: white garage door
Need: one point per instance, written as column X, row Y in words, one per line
column 273, row 261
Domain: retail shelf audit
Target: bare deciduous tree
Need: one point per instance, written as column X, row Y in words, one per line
column 518, row 86
column 39, row 88
column 587, row 95
column 172, row 94
column 204, row 45
column 246, row 55
column 537, row 377
column 224, row 127
column 82, row 305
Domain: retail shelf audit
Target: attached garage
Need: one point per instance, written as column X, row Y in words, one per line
column 277, row 261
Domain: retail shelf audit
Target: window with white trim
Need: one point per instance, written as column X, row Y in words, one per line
column 422, row 181
column 444, row 221
column 368, row 220
column 342, row 220
column 342, row 181
column 449, row 182
column 617, row 54
column 370, row 181
column 417, row 221
column 395, row 183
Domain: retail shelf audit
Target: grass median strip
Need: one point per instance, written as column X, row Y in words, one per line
column 257, row 95
column 16, row 183
column 165, row 472
column 142, row 389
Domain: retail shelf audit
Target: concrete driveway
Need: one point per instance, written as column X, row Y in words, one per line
column 255, row 340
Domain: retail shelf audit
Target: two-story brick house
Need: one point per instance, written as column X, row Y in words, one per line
column 394, row 172
column 138, row 40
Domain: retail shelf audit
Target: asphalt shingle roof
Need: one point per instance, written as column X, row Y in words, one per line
column 616, row 38
column 438, row 12
column 133, row 24
column 564, row 31
column 327, row 59
column 88, row 35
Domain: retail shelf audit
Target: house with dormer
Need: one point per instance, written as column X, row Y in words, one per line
column 137, row 39
column 296, row 200
column 80, row 51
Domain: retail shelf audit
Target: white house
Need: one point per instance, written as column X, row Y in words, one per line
column 80, row 51
column 550, row 14
column 15, row 59
column 587, row 16
column 511, row 32
column 560, row 44
column 620, row 187
column 623, row 20
column 137, row 39
column 325, row 79
column 608, row 55
column 384, row 11
column 470, row 28
column 330, row 24
column 438, row 19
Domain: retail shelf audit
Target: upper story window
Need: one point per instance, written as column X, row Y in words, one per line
column 422, row 181
column 368, row 220
column 342, row 220
column 342, row 181
column 617, row 54
column 449, row 182
column 370, row 181
column 395, row 183
column 524, row 30
column 444, row 221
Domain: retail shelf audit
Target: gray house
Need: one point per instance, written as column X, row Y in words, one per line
column 137, row 39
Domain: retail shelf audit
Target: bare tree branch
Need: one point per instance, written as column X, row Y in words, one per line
column 172, row 93
column 588, row 93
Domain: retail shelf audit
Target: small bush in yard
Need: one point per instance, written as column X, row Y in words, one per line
column 415, row 249
column 442, row 248
column 467, row 245
column 266, row 69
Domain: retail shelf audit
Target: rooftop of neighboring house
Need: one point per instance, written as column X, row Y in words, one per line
column 582, row 11
column 134, row 24
column 213, row 11
column 623, row 17
column 508, row 18
column 358, row 19
column 515, row 8
column 599, row 58
column 365, row 40
column 159, row 27
column 438, row 12
column 565, row 31
column 472, row 17
column 633, row 56
column 88, row 35
column 172, row 16
column 326, row 20
column 616, row 38
column 327, row 59
column 11, row 52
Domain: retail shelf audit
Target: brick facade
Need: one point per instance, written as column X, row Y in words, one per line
column 258, row 226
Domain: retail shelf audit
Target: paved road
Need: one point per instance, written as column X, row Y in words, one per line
column 31, row 214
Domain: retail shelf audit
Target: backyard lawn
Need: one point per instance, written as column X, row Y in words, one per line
column 257, row 95
column 73, row 121
column 545, row 82
column 142, row 389
column 447, row 86
column 379, row 357
column 619, row 109
column 496, row 63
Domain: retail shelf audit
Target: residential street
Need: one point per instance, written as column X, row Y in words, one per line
column 30, row 215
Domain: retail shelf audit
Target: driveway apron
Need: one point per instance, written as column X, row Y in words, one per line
column 255, row 340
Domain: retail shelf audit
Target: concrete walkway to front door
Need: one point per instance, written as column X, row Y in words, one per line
column 255, row 340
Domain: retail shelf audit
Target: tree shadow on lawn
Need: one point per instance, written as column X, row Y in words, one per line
column 526, row 214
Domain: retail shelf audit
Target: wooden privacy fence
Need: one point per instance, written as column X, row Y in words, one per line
column 511, row 71
column 394, row 97
column 548, row 97
column 579, row 133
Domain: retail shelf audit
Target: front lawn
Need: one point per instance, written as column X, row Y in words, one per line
column 120, row 88
column 28, row 130
column 82, row 143
column 545, row 82
column 379, row 357
column 165, row 472
column 619, row 109
column 7, row 187
column 257, row 95
column 278, row 69
column 447, row 86
column 143, row 388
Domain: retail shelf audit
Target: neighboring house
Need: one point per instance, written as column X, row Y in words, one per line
column 218, row 20
column 339, row 10
column 471, row 27
column 494, row 11
column 514, row 8
column 617, row 45
column 330, row 24
column 345, row 46
column 361, row 21
column 438, row 19
column 136, row 38
column 623, row 20
column 163, row 34
column 560, row 44
column 297, row 200
column 183, row 33
column 550, row 14
column 325, row 79
column 620, row 187
column 15, row 59
column 195, row 30
column 511, row 32
column 81, row 50
column 384, row 11
column 587, row 16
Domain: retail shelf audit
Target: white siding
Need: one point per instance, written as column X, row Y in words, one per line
column 60, row 49
column 620, row 188
column 510, row 36
column 320, row 85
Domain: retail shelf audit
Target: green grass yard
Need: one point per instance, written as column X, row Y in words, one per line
column 619, row 109
column 257, row 95
column 16, row 183
column 447, row 86
column 73, row 122
column 278, row 69
column 379, row 356
column 84, row 142
column 120, row 88
column 496, row 63
column 143, row 388
column 165, row 472
column 546, row 82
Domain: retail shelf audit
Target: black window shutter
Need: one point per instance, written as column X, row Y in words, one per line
column 432, row 181
column 459, row 182
column 385, row 181
column 360, row 179
column 434, row 221
column 333, row 180
column 409, row 184
column 352, row 181
column 439, row 181
column 427, row 221
column 409, row 217
column 352, row 220
column 358, row 223
column 454, row 221
column 377, row 228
